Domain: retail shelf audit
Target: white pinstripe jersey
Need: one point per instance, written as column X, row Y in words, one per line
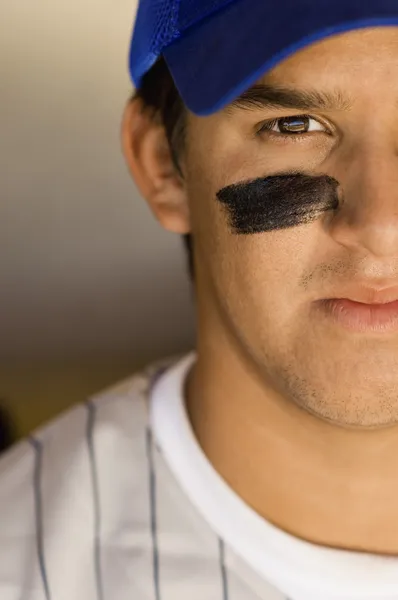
column 90, row 510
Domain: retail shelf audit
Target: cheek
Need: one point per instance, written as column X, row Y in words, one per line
column 251, row 270
column 255, row 278
column 256, row 273
column 256, row 285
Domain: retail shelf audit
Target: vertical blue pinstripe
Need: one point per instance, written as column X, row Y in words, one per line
column 154, row 532
column 152, row 491
column 96, row 499
column 37, row 474
column 224, row 578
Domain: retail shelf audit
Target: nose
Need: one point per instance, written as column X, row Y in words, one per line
column 367, row 219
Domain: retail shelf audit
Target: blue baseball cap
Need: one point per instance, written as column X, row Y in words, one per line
column 217, row 49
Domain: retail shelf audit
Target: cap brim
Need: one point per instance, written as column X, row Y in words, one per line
column 218, row 59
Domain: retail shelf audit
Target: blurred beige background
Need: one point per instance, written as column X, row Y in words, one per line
column 90, row 287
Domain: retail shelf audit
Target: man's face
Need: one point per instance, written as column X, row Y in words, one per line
column 269, row 250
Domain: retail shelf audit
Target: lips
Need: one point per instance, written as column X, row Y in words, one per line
column 362, row 317
column 362, row 308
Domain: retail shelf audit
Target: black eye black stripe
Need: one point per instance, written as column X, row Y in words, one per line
column 278, row 202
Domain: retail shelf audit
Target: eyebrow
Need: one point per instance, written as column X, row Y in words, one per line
column 275, row 96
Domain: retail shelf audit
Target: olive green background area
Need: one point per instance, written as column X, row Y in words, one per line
column 34, row 395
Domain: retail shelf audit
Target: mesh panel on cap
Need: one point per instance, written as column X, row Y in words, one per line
column 164, row 23
column 155, row 28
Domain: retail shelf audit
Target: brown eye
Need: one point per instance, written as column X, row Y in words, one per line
column 293, row 125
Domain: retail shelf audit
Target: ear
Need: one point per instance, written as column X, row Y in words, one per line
column 149, row 159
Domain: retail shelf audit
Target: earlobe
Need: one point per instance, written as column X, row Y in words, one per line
column 149, row 159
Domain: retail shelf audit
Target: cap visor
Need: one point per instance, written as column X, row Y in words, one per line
column 222, row 56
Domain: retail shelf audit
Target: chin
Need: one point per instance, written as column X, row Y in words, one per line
column 353, row 410
column 346, row 398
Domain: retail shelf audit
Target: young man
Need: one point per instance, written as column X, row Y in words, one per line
column 263, row 465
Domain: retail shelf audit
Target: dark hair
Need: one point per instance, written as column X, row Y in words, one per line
column 160, row 95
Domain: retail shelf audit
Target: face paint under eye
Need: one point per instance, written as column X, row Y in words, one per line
column 278, row 202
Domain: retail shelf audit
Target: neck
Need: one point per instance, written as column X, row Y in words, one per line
column 322, row 483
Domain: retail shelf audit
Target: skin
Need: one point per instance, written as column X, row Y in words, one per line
column 298, row 415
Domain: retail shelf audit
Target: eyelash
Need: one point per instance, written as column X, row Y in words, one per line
column 266, row 127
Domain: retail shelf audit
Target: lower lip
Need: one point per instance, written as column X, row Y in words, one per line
column 355, row 316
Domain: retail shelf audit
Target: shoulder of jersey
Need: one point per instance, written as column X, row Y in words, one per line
column 119, row 412
column 88, row 464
